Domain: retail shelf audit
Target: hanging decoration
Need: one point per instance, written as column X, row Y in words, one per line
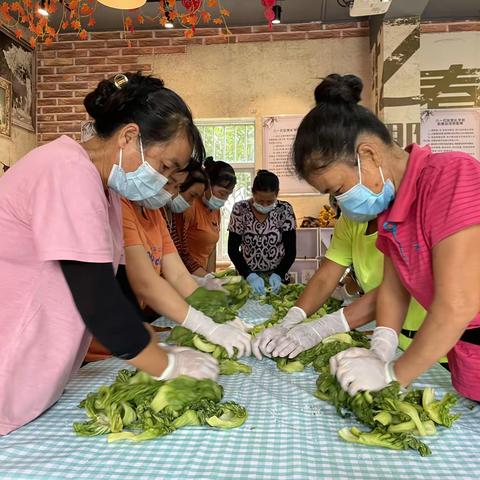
column 59, row 16
column 268, row 12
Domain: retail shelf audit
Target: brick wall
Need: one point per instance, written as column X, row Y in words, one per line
column 70, row 68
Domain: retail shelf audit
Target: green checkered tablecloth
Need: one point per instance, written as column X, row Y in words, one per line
column 289, row 435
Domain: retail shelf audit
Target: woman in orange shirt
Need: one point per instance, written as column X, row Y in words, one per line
column 158, row 276
column 202, row 221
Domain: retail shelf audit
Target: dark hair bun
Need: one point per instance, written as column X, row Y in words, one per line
column 339, row 89
column 95, row 101
column 209, row 163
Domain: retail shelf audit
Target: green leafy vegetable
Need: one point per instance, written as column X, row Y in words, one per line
column 137, row 407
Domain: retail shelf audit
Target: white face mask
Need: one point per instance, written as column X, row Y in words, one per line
column 142, row 183
column 264, row 209
column 157, row 201
column 213, row 203
column 178, row 204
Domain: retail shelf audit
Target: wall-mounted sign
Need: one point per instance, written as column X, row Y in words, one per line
column 278, row 136
column 452, row 130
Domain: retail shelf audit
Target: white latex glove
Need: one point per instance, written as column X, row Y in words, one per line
column 265, row 342
column 240, row 324
column 307, row 335
column 186, row 361
column 360, row 371
column 227, row 336
column 384, row 343
column 210, row 282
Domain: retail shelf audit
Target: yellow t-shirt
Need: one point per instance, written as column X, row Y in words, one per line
column 351, row 246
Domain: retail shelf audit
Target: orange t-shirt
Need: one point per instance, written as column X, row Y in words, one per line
column 142, row 226
column 202, row 231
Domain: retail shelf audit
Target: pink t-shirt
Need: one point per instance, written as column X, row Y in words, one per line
column 438, row 197
column 52, row 207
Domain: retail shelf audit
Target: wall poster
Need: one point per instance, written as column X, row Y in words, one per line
column 452, row 130
column 278, row 136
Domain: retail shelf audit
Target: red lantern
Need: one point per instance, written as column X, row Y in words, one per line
column 268, row 3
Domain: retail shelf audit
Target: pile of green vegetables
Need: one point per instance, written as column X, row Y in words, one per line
column 396, row 419
column 221, row 306
column 137, row 407
column 184, row 337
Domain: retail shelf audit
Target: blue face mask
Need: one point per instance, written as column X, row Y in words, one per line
column 265, row 209
column 360, row 204
column 157, row 201
column 178, row 204
column 213, row 203
column 144, row 182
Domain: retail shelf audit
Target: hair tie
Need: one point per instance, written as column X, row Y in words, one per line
column 120, row 80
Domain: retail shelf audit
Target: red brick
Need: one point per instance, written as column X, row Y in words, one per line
column 82, row 44
column 47, row 127
column 217, row 40
column 365, row 23
column 79, row 109
column 70, row 101
column 109, row 69
column 189, row 41
column 106, row 35
column 90, row 77
column 464, row 27
column 335, row 26
column 137, row 67
column 120, row 60
column 45, row 118
column 164, row 33
column 168, row 50
column 266, row 29
column 138, row 34
column 323, row 34
column 57, row 78
column 57, row 46
column 81, row 94
column 153, row 42
column 41, row 87
column 68, row 37
column 44, row 54
column 207, row 32
column 73, row 53
column 254, row 37
column 48, row 137
column 433, row 27
column 79, row 69
column 239, row 30
column 45, row 70
column 122, row 43
column 57, row 61
column 104, row 52
column 57, row 94
column 73, row 85
column 306, row 27
column 46, row 102
column 57, row 109
column 70, row 127
column 289, row 36
column 355, row 32
column 137, row 51
column 90, row 61
column 70, row 116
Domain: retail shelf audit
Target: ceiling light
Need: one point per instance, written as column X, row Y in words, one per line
column 123, row 4
column 169, row 23
column 42, row 8
column 277, row 11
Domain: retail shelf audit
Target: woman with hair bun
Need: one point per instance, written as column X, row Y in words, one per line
column 262, row 235
column 61, row 244
column 428, row 211
column 201, row 222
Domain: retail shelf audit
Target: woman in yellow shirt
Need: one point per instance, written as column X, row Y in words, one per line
column 201, row 224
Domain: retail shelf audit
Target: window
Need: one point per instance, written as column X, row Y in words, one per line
column 233, row 141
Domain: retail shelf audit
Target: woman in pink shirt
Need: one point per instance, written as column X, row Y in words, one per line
column 428, row 208
column 61, row 243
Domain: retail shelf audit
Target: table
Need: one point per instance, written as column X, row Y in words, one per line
column 289, row 435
